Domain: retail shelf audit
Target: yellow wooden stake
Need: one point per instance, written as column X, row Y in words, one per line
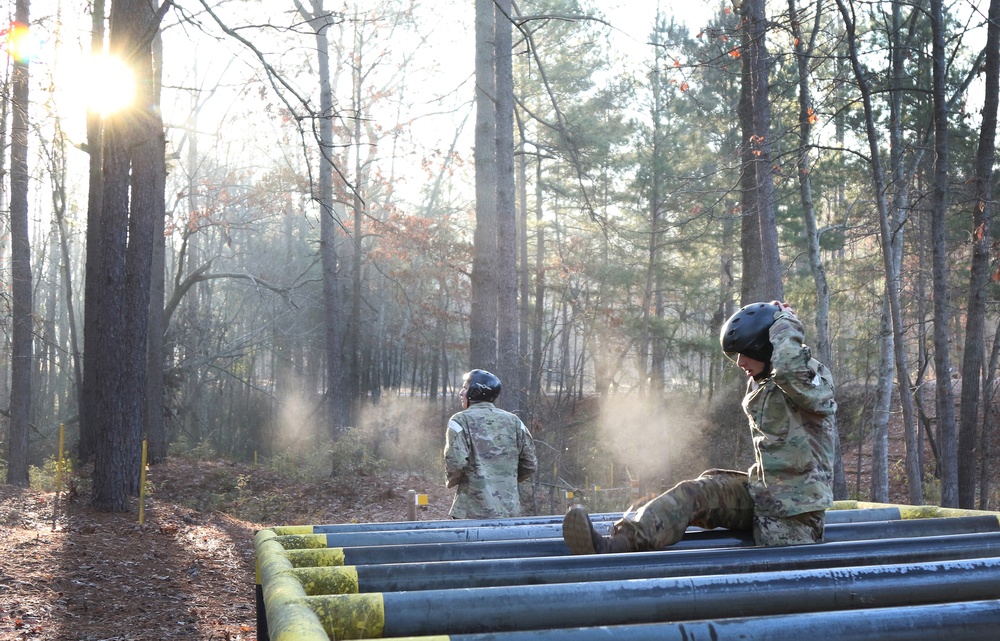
column 142, row 484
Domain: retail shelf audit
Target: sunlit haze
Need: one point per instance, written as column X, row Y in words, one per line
column 104, row 83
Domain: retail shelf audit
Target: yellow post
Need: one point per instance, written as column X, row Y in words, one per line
column 142, row 484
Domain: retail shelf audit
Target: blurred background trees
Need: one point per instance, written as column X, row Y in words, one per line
column 322, row 197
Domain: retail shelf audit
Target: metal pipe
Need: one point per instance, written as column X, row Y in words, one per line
column 538, row 607
column 509, row 530
column 845, row 515
column 971, row 621
column 397, row 577
column 408, row 551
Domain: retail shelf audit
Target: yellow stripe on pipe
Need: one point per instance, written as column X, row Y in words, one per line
column 282, row 530
column 913, row 511
column 350, row 616
column 315, row 557
column 334, row 580
column 302, row 541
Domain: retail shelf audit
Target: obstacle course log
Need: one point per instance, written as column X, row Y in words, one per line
column 693, row 539
column 972, row 621
column 843, row 515
column 568, row 569
column 498, row 609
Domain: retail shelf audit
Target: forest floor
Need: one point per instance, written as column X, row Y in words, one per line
column 188, row 571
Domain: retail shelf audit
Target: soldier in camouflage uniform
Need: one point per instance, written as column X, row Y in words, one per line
column 487, row 452
column 790, row 404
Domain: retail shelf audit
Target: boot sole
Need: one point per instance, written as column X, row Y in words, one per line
column 576, row 531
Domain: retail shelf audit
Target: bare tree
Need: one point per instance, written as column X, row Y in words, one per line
column 336, row 400
column 979, row 274
column 889, row 264
column 93, row 270
column 509, row 365
column 759, row 236
column 942, row 336
column 20, row 258
column 485, row 283
column 132, row 159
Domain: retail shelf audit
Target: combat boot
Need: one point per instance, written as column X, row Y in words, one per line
column 582, row 538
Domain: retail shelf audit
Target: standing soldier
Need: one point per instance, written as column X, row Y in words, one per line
column 487, row 452
column 790, row 405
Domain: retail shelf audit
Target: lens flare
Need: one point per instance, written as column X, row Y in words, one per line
column 22, row 44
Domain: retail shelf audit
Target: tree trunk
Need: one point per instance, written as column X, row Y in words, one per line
column 20, row 258
column 509, row 366
column 485, row 284
column 942, row 335
column 156, row 432
column 803, row 170
column 336, row 400
column 93, row 290
column 888, row 263
column 979, row 273
column 881, row 410
column 134, row 151
column 761, row 262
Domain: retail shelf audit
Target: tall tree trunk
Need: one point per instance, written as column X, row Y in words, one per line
column 538, row 321
column 654, row 208
column 485, row 284
column 979, row 273
column 509, row 366
column 336, row 400
column 156, row 432
column 803, row 54
column 881, row 409
column 989, row 422
column 20, row 259
column 761, row 262
column 915, row 491
column 942, row 334
column 93, row 289
column 134, row 154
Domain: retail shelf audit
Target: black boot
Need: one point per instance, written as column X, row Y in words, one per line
column 582, row 538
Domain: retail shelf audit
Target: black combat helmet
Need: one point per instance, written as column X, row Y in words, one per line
column 483, row 386
column 746, row 332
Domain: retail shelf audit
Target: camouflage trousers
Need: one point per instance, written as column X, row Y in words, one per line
column 717, row 498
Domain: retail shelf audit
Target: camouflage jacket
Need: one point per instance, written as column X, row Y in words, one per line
column 791, row 416
column 487, row 452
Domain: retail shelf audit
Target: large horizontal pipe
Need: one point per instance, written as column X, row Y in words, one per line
column 508, row 529
column 846, row 515
column 397, row 577
column 539, row 607
column 693, row 539
column 535, row 531
column 972, row 621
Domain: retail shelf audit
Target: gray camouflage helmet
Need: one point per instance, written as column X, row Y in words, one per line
column 483, row 386
column 746, row 332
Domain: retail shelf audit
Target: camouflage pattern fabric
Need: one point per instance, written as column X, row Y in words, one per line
column 717, row 498
column 800, row 529
column 784, row 496
column 792, row 421
column 487, row 453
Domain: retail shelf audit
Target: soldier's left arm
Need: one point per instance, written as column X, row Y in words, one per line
column 456, row 453
column 804, row 380
column 527, row 458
